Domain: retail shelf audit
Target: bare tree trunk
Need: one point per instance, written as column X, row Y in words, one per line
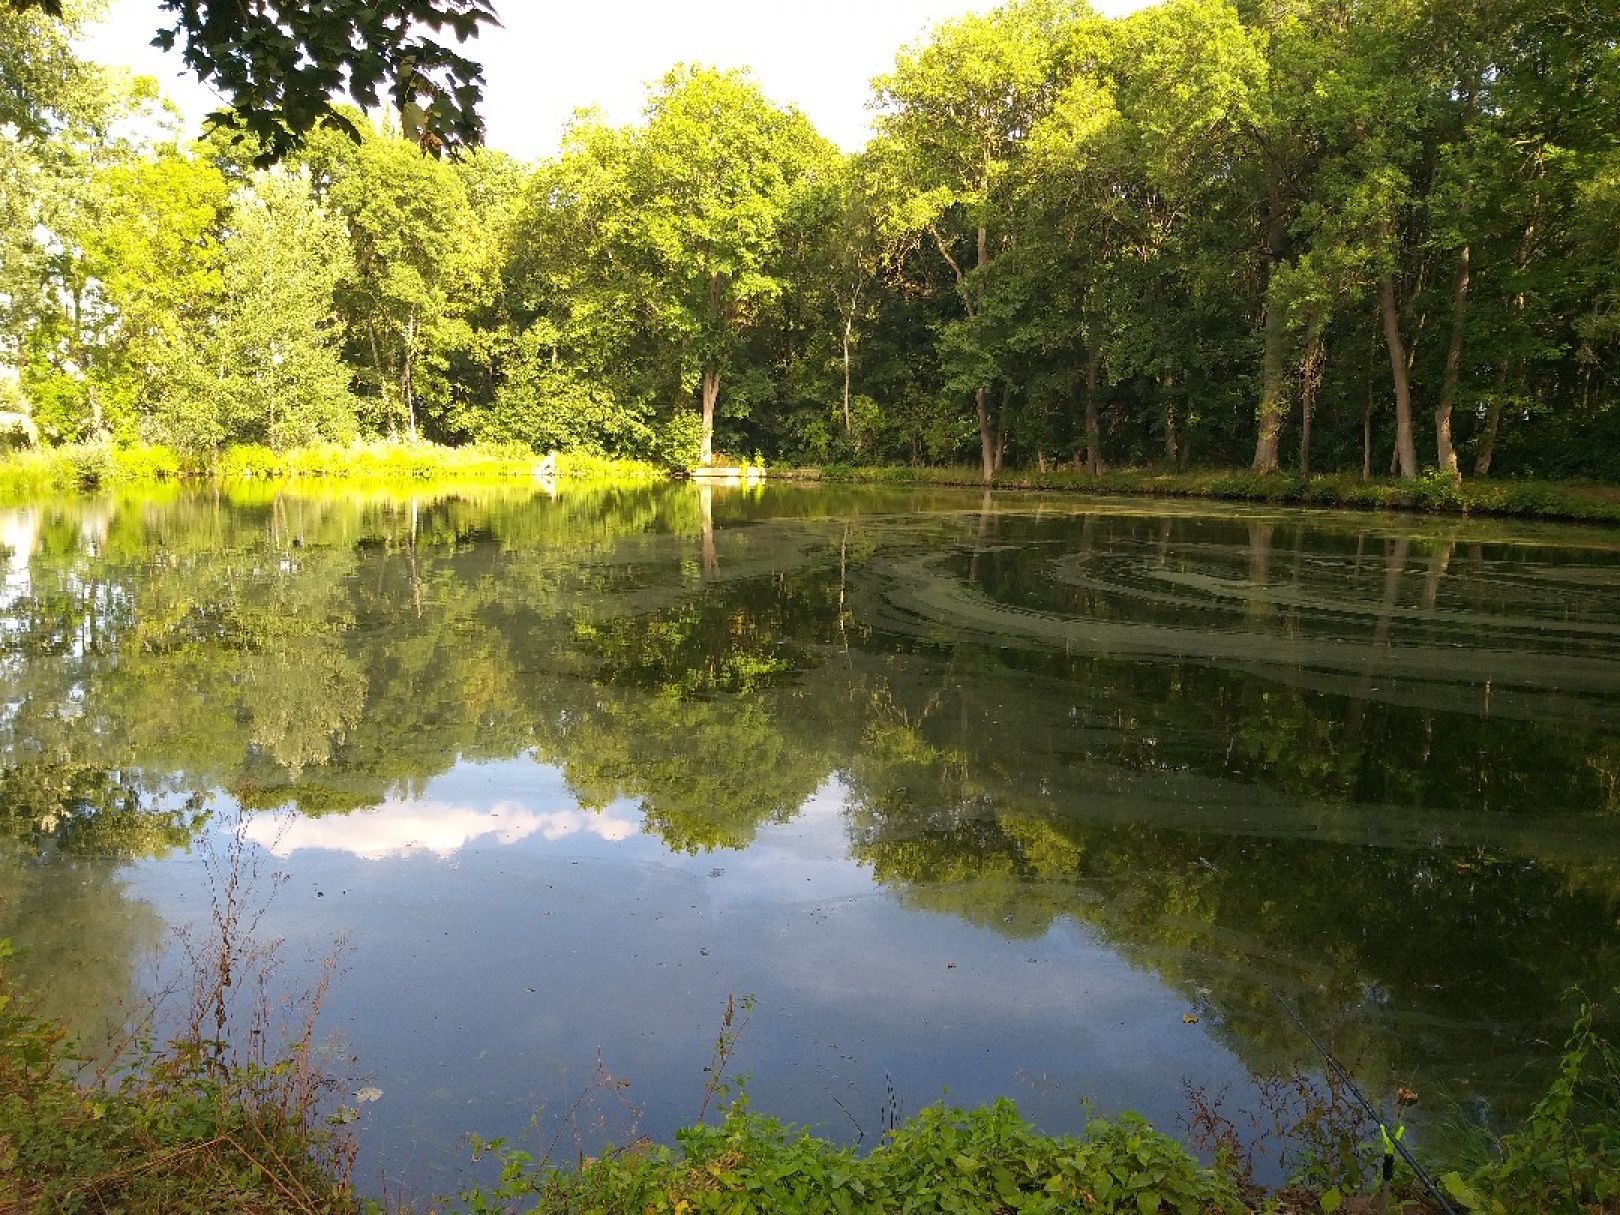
column 987, row 441
column 1094, row 460
column 711, row 393
column 1274, row 387
column 849, row 325
column 1003, row 421
column 1310, row 375
column 1405, row 452
column 1367, row 436
column 987, row 444
column 407, row 386
column 1493, row 420
column 1172, row 449
column 1444, row 449
column 1274, row 391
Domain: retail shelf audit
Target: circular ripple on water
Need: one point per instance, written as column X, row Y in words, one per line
column 1395, row 625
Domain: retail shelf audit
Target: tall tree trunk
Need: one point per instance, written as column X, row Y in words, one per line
column 1310, row 375
column 1172, row 450
column 1094, row 460
column 849, row 325
column 1493, row 420
column 1274, row 390
column 1003, row 423
column 1274, row 385
column 987, row 440
column 711, row 393
column 407, row 384
column 1405, row 452
column 1444, row 449
column 1367, row 436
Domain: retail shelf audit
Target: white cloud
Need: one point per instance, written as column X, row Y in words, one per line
column 402, row 828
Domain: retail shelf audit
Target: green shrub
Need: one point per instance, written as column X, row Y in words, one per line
column 1566, row 1157
column 679, row 440
column 944, row 1159
column 250, row 460
column 145, row 462
column 582, row 466
column 92, row 463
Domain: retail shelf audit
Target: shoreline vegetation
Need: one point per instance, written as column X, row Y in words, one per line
column 95, row 466
column 88, row 466
column 201, row 1125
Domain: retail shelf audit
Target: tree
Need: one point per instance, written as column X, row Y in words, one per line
column 52, row 105
column 279, row 64
column 415, row 258
column 712, row 178
column 955, row 114
column 268, row 368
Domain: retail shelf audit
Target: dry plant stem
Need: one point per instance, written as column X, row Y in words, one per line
column 301, row 1203
column 135, row 1170
column 725, row 1045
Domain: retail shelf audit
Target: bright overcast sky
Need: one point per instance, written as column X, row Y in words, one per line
column 554, row 56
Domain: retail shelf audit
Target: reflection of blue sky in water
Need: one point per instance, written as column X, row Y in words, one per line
column 503, row 939
column 1372, row 767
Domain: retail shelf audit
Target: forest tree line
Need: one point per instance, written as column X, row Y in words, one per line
column 1359, row 235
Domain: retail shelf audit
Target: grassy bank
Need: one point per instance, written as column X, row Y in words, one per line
column 82, row 466
column 1521, row 499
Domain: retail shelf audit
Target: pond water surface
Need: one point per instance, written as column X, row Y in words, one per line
column 975, row 796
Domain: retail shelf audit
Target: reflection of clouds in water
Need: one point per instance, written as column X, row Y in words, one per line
column 417, row 826
column 19, row 536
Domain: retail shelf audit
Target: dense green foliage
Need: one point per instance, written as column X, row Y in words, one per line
column 943, row 1160
column 1291, row 235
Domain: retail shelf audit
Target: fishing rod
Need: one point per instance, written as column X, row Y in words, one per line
column 1392, row 1143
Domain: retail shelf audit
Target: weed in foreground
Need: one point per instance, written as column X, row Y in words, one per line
column 235, row 1111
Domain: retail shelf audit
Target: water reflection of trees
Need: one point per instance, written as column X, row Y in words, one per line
column 1232, row 825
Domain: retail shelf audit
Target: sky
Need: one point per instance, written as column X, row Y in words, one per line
column 552, row 57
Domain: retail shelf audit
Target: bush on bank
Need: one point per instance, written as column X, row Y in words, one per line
column 983, row 1160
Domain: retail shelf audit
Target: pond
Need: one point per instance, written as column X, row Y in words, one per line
column 974, row 796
